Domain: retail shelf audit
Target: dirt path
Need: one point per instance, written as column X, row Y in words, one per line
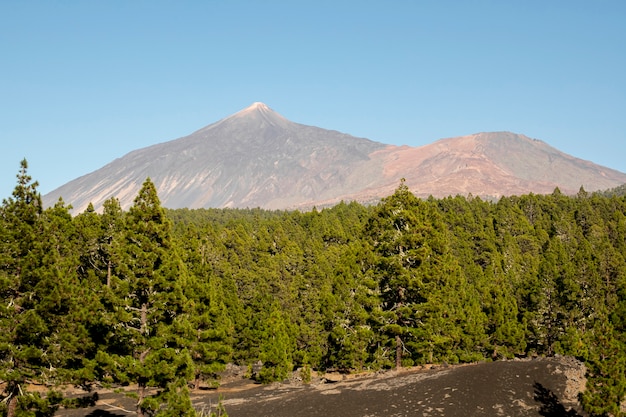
column 540, row 387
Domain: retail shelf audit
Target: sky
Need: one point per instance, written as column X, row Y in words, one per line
column 85, row 82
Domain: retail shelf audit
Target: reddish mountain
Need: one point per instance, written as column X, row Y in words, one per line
column 257, row 158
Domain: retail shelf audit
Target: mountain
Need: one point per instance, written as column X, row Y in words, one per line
column 495, row 164
column 258, row 158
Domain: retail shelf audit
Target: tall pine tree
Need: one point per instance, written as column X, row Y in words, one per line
column 147, row 285
column 35, row 299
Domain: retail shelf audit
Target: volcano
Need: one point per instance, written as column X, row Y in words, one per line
column 258, row 158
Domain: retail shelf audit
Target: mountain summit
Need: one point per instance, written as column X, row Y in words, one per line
column 258, row 114
column 253, row 158
column 258, row 158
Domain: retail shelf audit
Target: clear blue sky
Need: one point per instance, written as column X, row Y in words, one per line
column 85, row 82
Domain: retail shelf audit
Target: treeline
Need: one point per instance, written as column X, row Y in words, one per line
column 163, row 299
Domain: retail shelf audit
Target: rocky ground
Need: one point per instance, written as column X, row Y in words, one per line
column 533, row 387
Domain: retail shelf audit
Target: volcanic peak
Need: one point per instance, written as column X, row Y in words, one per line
column 258, row 158
column 256, row 108
column 259, row 112
column 257, row 105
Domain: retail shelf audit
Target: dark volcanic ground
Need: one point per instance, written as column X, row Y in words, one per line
column 539, row 387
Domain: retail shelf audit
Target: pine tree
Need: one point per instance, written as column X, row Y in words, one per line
column 70, row 308
column 88, row 236
column 37, row 337
column 348, row 307
column 605, row 357
column 207, row 326
column 520, row 235
column 112, row 225
column 402, row 242
column 277, row 347
column 148, row 300
column 427, row 303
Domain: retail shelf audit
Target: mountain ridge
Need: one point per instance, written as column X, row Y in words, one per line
column 258, row 158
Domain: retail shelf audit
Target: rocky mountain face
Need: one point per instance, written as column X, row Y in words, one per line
column 257, row 158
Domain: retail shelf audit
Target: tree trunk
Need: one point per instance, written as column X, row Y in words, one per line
column 141, row 394
column 144, row 319
column 398, row 352
column 196, row 382
column 109, row 273
column 12, row 405
column 141, row 385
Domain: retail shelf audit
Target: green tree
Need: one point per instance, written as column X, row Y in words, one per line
column 348, row 307
column 402, row 242
column 70, row 308
column 426, row 302
column 148, row 300
column 474, row 244
column 88, row 246
column 112, row 223
column 277, row 347
column 605, row 357
column 207, row 325
column 38, row 339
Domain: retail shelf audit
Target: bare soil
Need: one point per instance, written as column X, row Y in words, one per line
column 530, row 387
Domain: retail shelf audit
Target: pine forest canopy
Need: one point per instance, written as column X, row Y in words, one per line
column 162, row 300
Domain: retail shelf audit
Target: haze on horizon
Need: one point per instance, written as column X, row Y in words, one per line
column 85, row 83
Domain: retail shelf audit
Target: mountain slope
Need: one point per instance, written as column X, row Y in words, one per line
column 257, row 158
column 493, row 164
column 252, row 158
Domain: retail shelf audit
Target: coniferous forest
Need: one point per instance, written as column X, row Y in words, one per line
column 162, row 300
